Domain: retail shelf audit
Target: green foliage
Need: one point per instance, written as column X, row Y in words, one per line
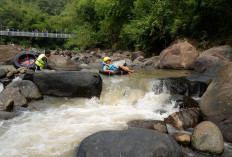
column 148, row 25
column 84, row 38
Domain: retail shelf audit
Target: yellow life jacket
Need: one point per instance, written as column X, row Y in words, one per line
column 40, row 62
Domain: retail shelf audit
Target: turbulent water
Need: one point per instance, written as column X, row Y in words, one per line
column 56, row 126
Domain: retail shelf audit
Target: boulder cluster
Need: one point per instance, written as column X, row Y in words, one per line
column 210, row 116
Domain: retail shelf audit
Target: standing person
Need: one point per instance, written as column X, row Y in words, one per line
column 42, row 61
column 107, row 66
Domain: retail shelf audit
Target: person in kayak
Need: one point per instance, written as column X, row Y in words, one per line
column 107, row 66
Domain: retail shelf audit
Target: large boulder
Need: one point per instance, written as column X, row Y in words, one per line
column 137, row 54
column 211, row 60
column 63, row 63
column 216, row 103
column 14, row 94
column 7, row 53
column 193, row 85
column 130, row 143
column 207, row 137
column 67, row 83
column 28, row 89
column 178, row 56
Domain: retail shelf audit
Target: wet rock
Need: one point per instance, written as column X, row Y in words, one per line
column 10, row 74
column 67, row 83
column 27, row 88
column 138, row 61
column 183, row 139
column 151, row 61
column 2, row 73
column 7, row 115
column 180, row 55
column 9, row 106
column 207, row 137
column 130, row 143
column 216, row 103
column 5, row 81
column 183, row 101
column 148, row 124
column 181, row 120
column 189, row 85
column 137, row 54
column 211, row 60
column 15, row 95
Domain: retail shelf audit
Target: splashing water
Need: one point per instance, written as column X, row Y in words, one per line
column 58, row 125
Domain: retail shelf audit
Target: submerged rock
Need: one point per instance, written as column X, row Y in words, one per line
column 7, row 115
column 67, row 83
column 207, row 137
column 149, row 124
column 129, row 143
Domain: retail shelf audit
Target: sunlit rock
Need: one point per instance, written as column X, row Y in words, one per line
column 207, row 137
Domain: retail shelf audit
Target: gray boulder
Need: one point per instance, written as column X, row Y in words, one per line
column 27, row 88
column 211, row 60
column 15, row 95
column 129, row 143
column 194, row 85
column 180, row 55
column 216, row 103
column 207, row 137
column 67, row 83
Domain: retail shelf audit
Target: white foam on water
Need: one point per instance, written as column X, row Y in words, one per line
column 1, row 87
column 61, row 124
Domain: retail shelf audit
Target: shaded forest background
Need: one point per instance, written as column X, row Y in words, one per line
column 146, row 25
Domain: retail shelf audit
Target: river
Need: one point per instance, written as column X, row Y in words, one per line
column 56, row 126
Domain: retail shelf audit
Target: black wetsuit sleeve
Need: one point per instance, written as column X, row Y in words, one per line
column 46, row 63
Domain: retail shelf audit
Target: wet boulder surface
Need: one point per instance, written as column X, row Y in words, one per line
column 193, row 85
column 134, row 142
column 67, row 83
column 216, row 103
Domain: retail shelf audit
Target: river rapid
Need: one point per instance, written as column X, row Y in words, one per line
column 56, row 126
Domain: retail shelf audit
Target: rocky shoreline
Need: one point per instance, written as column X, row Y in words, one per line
column 210, row 118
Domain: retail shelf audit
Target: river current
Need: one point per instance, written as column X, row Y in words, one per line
column 55, row 126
